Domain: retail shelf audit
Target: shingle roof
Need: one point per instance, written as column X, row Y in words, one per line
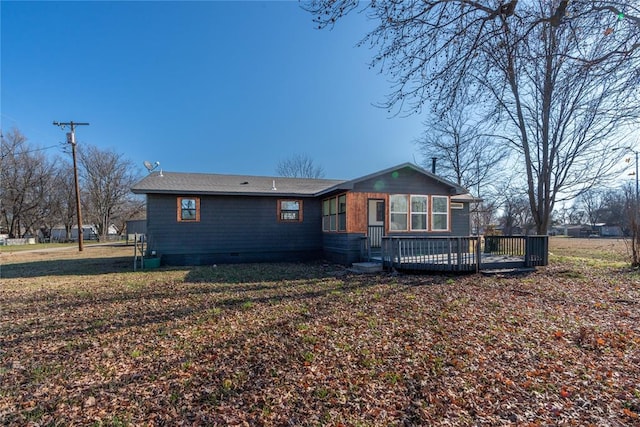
column 347, row 185
column 200, row 183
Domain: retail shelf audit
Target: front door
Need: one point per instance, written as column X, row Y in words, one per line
column 375, row 229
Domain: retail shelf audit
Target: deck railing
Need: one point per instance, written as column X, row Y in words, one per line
column 534, row 249
column 537, row 251
column 375, row 233
column 504, row 245
column 463, row 253
column 430, row 253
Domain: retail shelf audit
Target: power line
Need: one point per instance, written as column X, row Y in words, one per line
column 32, row 151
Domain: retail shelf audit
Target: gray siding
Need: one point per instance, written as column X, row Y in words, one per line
column 408, row 181
column 232, row 229
column 342, row 248
column 403, row 181
column 461, row 221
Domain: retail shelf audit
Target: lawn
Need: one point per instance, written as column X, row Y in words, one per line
column 37, row 246
column 86, row 341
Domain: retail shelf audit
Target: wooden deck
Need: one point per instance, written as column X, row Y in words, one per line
column 462, row 254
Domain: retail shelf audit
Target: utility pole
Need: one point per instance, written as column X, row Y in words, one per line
column 71, row 139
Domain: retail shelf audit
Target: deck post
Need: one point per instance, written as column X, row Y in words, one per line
column 527, row 252
column 382, row 253
column 478, row 253
column 135, row 251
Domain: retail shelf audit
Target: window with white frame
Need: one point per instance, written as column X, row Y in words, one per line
column 290, row 210
column 419, row 213
column 439, row 213
column 398, row 212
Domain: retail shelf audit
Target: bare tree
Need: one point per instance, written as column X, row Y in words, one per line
column 570, row 214
column 592, row 202
column 25, row 174
column 632, row 217
column 107, row 178
column 516, row 215
column 613, row 205
column 132, row 208
column 299, row 166
column 471, row 158
column 560, row 78
column 483, row 214
column 64, row 198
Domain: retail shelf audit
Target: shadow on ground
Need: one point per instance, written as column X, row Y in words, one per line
column 67, row 267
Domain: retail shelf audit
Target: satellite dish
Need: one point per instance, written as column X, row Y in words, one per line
column 149, row 166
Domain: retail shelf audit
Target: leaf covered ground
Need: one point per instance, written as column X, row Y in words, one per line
column 312, row 344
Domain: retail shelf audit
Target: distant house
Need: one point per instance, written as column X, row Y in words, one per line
column 604, row 230
column 89, row 232
column 59, row 234
column 197, row 219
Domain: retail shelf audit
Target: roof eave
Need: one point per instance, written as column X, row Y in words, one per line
column 223, row 193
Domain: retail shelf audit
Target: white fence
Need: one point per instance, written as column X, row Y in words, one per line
column 12, row 242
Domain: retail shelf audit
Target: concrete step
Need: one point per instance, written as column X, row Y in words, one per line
column 508, row 271
column 366, row 267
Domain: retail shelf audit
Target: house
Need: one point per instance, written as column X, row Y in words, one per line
column 59, row 233
column 89, row 232
column 578, row 230
column 195, row 219
column 604, row 230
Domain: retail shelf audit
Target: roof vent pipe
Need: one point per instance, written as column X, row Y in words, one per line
column 433, row 165
column 273, row 186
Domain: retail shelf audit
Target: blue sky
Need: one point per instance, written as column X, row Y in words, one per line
column 215, row 87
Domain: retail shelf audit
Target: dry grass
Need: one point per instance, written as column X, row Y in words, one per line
column 596, row 249
column 86, row 341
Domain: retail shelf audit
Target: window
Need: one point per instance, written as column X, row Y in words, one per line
column 439, row 213
column 326, row 216
column 398, row 210
column 342, row 212
column 411, row 212
column 419, row 213
column 380, row 211
column 290, row 210
column 334, row 213
column 188, row 209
